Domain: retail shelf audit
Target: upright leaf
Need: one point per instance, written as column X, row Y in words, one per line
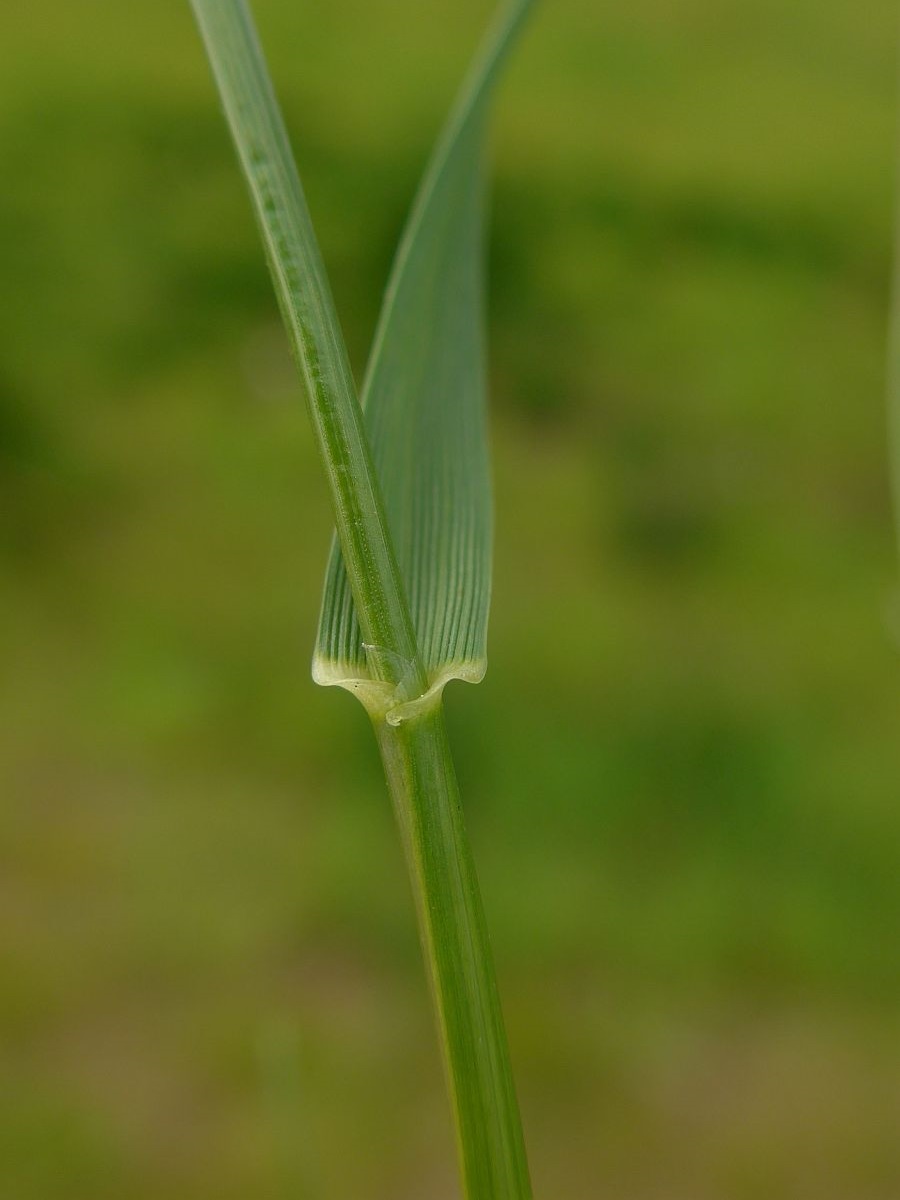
column 424, row 406
column 304, row 295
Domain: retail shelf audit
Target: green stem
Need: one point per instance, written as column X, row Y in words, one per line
column 423, row 787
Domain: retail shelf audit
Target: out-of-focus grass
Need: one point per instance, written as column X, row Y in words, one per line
column 209, row 979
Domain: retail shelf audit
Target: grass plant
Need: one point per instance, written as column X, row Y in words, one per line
column 407, row 587
column 687, row 863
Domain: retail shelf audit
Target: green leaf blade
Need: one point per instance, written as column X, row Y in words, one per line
column 304, row 296
column 424, row 402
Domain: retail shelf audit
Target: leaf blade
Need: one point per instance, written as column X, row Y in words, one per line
column 304, row 296
column 424, row 402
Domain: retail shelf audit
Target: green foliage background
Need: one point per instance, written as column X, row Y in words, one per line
column 682, row 772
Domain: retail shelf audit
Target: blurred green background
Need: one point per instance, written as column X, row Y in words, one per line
column 681, row 775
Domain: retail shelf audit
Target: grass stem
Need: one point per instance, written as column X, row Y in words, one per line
column 423, row 787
